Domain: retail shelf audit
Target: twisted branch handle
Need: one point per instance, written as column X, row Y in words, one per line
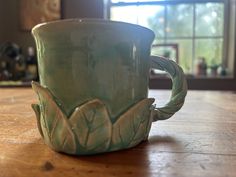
column 179, row 87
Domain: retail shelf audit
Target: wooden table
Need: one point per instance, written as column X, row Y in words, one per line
column 200, row 140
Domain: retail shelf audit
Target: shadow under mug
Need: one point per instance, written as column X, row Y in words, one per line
column 93, row 87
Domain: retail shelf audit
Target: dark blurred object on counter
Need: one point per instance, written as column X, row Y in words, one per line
column 31, row 63
column 201, row 67
column 14, row 66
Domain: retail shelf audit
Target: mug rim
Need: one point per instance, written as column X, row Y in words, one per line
column 90, row 21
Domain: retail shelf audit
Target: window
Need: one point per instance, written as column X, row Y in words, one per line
column 198, row 27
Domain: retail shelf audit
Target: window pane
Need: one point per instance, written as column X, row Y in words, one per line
column 210, row 49
column 209, row 19
column 152, row 17
column 157, row 50
column 117, row 1
column 126, row 14
column 179, row 20
column 165, row 51
column 149, row 16
column 185, row 53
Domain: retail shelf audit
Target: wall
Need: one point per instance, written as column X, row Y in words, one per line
column 10, row 29
column 82, row 8
column 1, row 19
column 9, row 18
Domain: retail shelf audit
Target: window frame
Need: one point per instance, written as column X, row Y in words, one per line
column 194, row 83
column 194, row 37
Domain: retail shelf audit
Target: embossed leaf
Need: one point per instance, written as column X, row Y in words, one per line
column 133, row 126
column 93, row 127
column 36, row 109
column 89, row 129
column 55, row 127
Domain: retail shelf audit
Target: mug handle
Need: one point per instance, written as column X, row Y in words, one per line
column 179, row 87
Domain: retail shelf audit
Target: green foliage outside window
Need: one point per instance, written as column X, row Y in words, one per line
column 198, row 28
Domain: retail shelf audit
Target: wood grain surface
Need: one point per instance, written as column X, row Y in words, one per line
column 198, row 141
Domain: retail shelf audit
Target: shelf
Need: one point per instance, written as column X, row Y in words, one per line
column 15, row 84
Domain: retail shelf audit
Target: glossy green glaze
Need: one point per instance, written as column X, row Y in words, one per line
column 82, row 60
column 94, row 84
column 89, row 130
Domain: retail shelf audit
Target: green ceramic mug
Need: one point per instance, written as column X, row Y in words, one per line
column 94, row 84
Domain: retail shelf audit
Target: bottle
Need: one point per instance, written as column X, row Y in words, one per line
column 19, row 66
column 31, row 62
column 200, row 67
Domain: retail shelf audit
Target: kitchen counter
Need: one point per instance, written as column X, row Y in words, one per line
column 199, row 141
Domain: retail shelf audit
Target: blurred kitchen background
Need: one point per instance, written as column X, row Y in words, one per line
column 198, row 34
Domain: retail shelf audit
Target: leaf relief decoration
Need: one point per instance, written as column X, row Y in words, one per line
column 89, row 130
column 133, row 126
column 92, row 126
column 55, row 127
